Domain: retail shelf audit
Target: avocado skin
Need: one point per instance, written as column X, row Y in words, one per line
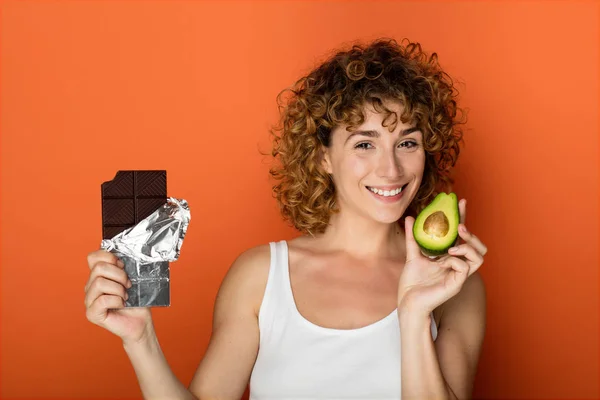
column 425, row 249
column 433, row 253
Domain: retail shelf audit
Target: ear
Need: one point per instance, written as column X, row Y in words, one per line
column 326, row 159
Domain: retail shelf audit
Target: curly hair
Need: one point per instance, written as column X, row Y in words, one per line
column 335, row 93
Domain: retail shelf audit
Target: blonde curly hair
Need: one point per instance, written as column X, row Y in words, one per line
column 335, row 93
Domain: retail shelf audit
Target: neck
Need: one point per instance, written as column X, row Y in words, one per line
column 364, row 238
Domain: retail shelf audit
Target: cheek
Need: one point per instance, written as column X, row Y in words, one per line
column 356, row 167
column 347, row 171
column 415, row 162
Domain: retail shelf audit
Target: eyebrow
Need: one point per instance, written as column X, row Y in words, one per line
column 373, row 133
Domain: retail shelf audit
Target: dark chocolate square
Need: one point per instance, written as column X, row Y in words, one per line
column 130, row 197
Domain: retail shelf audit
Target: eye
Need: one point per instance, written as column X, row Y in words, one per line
column 362, row 146
column 409, row 144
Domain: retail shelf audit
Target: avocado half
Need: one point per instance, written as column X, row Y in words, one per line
column 436, row 227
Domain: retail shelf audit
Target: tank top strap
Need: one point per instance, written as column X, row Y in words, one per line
column 283, row 269
column 276, row 299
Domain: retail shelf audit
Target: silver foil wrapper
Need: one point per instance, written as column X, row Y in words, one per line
column 146, row 250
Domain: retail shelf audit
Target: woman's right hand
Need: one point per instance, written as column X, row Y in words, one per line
column 105, row 295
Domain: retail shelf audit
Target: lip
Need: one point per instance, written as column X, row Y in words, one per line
column 388, row 199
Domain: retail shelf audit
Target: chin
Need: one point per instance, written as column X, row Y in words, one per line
column 388, row 218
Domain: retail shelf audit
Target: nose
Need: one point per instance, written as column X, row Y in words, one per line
column 389, row 165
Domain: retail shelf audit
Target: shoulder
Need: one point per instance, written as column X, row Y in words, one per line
column 252, row 259
column 461, row 334
column 246, row 278
column 468, row 307
column 472, row 294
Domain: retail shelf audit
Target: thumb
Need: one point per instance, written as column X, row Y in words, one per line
column 413, row 250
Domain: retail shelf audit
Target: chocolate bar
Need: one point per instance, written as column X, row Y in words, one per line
column 126, row 200
column 129, row 198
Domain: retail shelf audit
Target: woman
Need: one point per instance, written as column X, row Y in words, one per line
column 351, row 308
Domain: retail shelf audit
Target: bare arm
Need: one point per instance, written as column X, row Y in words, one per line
column 155, row 377
column 225, row 370
column 445, row 369
column 462, row 330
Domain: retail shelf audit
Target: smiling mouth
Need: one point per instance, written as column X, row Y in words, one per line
column 387, row 193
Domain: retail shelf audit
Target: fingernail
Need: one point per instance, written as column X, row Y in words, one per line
column 452, row 249
column 126, row 296
column 463, row 229
column 120, row 263
column 129, row 284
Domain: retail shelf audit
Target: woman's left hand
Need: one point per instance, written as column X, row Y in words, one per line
column 425, row 283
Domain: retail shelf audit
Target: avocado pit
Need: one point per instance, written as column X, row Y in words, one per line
column 436, row 225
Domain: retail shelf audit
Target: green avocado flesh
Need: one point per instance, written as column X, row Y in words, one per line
column 436, row 227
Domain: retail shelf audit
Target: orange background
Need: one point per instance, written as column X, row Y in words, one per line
column 91, row 87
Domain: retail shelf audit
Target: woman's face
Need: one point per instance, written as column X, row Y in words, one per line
column 371, row 158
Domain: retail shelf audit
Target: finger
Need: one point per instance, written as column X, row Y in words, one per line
column 103, row 256
column 460, row 270
column 472, row 240
column 108, row 271
column 457, row 265
column 101, row 286
column 444, row 264
column 462, row 209
column 98, row 310
column 413, row 250
column 473, row 258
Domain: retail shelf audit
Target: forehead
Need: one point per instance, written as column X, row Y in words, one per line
column 380, row 121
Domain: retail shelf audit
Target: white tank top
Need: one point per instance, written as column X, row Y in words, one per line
column 298, row 360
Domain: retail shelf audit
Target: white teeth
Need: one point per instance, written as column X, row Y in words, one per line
column 386, row 193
